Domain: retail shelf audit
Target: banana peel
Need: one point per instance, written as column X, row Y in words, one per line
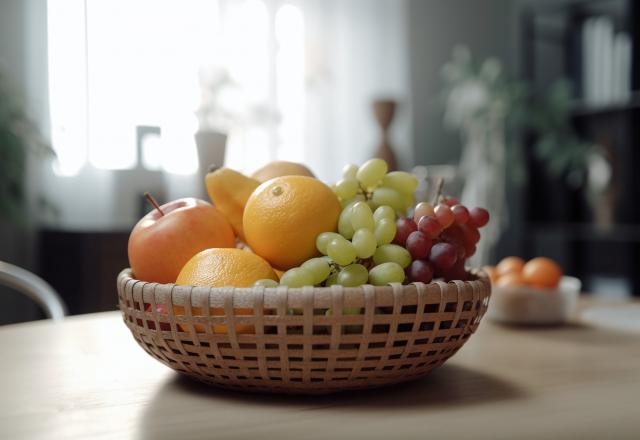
column 229, row 191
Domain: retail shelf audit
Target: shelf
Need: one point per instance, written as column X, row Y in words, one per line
column 593, row 6
column 583, row 109
column 624, row 233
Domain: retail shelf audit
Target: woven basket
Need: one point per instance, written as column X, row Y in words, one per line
column 285, row 340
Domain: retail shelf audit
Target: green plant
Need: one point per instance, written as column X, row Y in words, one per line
column 557, row 143
column 19, row 137
column 478, row 93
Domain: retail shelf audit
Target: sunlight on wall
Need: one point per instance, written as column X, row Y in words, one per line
column 116, row 65
column 67, row 84
column 289, row 30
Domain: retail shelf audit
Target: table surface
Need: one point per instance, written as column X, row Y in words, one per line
column 87, row 378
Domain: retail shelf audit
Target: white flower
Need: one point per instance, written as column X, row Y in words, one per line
column 465, row 101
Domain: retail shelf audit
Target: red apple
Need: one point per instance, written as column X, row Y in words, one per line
column 166, row 238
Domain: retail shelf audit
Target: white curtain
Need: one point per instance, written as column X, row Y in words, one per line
column 352, row 52
column 357, row 51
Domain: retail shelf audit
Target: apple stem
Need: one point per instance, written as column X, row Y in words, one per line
column 439, row 185
column 153, row 201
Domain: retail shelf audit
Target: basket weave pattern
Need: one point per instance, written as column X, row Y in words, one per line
column 294, row 344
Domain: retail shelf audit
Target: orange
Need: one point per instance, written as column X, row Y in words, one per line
column 284, row 216
column 491, row 272
column 221, row 268
column 225, row 267
column 511, row 280
column 509, row 265
column 542, row 272
column 281, row 168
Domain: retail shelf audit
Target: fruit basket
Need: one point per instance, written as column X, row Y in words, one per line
column 303, row 340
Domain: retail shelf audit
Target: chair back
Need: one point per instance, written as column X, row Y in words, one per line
column 35, row 288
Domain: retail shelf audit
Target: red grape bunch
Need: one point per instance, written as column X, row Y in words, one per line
column 440, row 239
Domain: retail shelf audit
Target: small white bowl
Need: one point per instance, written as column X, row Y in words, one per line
column 534, row 306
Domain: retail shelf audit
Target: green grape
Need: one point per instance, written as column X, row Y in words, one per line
column 323, row 240
column 386, row 273
column 341, row 251
column 364, row 242
column 352, row 201
column 347, row 188
column 393, row 253
column 384, row 212
column 333, row 279
column 297, row 277
column 388, row 196
column 319, row 268
column 349, row 171
column 362, row 217
column 344, row 224
column 385, row 231
column 408, row 200
column 344, row 221
column 265, row 282
column 401, row 181
column 371, row 172
column 353, row 275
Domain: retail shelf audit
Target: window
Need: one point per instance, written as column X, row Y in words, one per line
column 125, row 81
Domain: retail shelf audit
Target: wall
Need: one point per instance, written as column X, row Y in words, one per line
column 487, row 27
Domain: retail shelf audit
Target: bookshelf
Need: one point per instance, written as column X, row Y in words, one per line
column 559, row 220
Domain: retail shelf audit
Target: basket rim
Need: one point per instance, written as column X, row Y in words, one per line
column 181, row 295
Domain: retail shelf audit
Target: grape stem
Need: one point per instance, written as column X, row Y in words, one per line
column 439, row 185
column 335, row 267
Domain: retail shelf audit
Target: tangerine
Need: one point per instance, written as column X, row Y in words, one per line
column 509, row 265
column 492, row 273
column 511, row 280
column 542, row 272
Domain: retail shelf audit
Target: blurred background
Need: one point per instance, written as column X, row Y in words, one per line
column 529, row 108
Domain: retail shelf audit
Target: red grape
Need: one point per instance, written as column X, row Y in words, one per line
column 422, row 208
column 461, row 251
column 472, row 235
column 455, row 272
column 420, row 270
column 453, row 235
column 450, row 201
column 461, row 214
column 429, row 226
column 404, row 227
column 471, row 251
column 444, row 215
column 443, row 255
column 479, row 217
column 162, row 310
column 418, row 245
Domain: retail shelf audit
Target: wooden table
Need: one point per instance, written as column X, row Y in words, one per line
column 86, row 378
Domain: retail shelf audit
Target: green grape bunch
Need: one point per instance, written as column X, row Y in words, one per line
column 370, row 182
column 361, row 250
